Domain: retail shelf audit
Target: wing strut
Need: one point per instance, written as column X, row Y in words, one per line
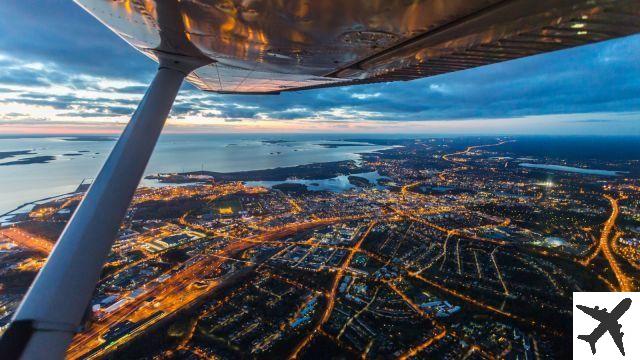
column 52, row 311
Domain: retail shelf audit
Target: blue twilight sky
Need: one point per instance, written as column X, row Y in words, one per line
column 62, row 71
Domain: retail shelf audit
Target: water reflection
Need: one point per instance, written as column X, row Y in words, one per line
column 336, row 184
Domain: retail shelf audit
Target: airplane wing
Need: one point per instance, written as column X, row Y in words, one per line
column 616, row 335
column 598, row 314
column 274, row 46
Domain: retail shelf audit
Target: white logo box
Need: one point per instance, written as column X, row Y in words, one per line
column 583, row 324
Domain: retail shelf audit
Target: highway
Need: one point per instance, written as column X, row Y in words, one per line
column 603, row 247
column 623, row 281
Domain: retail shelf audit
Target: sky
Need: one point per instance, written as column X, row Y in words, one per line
column 61, row 71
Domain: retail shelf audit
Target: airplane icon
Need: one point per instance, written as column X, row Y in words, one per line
column 608, row 322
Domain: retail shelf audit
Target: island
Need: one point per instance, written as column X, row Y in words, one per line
column 30, row 160
column 275, row 141
column 291, row 188
column 359, row 181
column 90, row 138
column 10, row 154
column 339, row 145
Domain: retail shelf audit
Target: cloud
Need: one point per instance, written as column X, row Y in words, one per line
column 362, row 96
column 61, row 32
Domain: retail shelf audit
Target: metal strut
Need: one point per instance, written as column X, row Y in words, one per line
column 52, row 311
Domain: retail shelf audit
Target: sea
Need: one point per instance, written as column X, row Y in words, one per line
column 78, row 159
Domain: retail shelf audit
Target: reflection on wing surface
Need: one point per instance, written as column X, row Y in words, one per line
column 261, row 46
